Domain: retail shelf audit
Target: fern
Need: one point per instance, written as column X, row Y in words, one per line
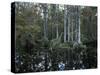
column 54, row 43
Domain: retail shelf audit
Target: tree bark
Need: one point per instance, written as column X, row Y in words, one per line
column 57, row 9
column 65, row 14
column 45, row 20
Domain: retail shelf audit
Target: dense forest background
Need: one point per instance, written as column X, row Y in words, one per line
column 48, row 35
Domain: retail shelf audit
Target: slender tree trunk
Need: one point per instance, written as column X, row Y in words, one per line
column 69, row 17
column 69, row 28
column 72, row 29
column 79, row 41
column 45, row 21
column 76, row 25
column 65, row 13
column 57, row 9
column 53, row 8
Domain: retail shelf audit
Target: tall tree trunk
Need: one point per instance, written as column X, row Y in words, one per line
column 68, row 10
column 53, row 8
column 65, row 13
column 57, row 9
column 79, row 41
column 77, row 27
column 72, row 29
column 45, row 20
column 69, row 28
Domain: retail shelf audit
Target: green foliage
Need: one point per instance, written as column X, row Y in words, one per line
column 66, row 45
column 54, row 43
column 45, row 42
column 88, row 24
column 76, row 45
